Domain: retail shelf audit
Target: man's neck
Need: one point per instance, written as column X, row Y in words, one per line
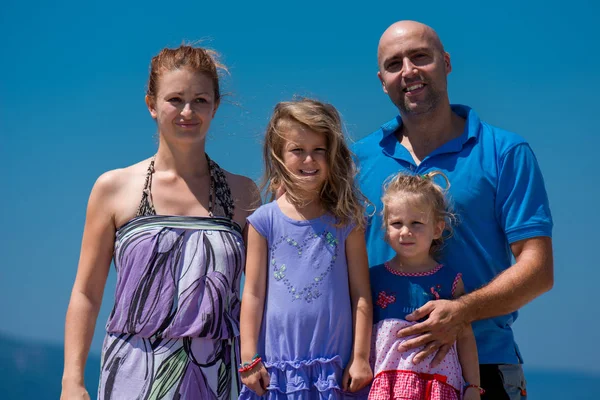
column 422, row 134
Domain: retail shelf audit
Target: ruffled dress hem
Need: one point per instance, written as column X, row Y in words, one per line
column 317, row 379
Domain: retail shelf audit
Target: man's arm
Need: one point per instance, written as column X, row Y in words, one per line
column 529, row 277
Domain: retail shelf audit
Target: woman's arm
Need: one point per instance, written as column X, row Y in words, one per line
column 253, row 303
column 86, row 297
column 358, row 373
column 467, row 352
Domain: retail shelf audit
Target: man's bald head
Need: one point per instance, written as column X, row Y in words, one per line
column 402, row 29
column 413, row 68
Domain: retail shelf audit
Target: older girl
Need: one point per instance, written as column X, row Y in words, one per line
column 306, row 309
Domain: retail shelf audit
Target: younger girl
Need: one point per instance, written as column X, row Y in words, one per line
column 306, row 308
column 415, row 216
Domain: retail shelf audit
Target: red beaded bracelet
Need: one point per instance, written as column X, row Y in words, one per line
column 249, row 366
column 470, row 385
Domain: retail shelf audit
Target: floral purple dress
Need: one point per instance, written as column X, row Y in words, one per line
column 173, row 332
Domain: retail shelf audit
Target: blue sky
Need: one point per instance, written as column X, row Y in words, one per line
column 72, row 82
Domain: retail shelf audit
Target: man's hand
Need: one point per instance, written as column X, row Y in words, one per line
column 438, row 332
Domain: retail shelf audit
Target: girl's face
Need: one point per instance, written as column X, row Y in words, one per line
column 410, row 226
column 305, row 156
column 184, row 106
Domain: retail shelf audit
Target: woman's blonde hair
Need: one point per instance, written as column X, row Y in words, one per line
column 339, row 194
column 428, row 191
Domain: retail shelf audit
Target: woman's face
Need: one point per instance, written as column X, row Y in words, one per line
column 185, row 105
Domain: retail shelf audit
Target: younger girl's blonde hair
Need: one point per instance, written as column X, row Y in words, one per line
column 426, row 190
column 339, row 194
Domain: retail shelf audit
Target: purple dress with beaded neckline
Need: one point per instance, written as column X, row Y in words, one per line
column 306, row 331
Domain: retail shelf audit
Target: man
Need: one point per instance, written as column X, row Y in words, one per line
column 497, row 192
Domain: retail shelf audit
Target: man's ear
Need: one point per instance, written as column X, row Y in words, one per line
column 151, row 106
column 447, row 63
column 382, row 82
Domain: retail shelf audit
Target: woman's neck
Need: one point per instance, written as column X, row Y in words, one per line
column 185, row 160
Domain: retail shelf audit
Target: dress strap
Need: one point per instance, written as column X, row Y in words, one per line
column 220, row 188
column 146, row 206
column 219, row 193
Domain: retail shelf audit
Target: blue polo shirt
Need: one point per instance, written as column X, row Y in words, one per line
column 497, row 192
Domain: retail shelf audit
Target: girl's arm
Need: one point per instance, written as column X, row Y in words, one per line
column 358, row 373
column 86, row 297
column 253, row 303
column 467, row 353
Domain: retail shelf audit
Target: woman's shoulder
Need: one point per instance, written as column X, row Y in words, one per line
column 116, row 188
column 117, row 179
column 240, row 183
column 244, row 192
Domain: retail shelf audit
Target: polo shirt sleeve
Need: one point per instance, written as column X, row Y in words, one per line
column 522, row 205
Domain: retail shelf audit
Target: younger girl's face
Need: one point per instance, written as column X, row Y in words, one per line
column 305, row 156
column 410, row 226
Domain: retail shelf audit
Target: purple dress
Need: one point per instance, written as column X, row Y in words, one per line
column 306, row 331
column 174, row 329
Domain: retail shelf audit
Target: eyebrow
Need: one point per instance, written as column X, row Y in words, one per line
column 419, row 49
column 408, row 52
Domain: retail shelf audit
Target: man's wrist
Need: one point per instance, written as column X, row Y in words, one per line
column 467, row 309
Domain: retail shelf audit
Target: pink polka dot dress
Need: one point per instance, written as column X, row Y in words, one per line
column 395, row 295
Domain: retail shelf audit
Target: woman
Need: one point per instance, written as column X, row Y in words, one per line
column 174, row 224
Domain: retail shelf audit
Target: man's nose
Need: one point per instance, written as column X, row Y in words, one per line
column 408, row 68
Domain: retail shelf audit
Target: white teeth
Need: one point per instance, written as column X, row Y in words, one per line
column 305, row 171
column 414, row 87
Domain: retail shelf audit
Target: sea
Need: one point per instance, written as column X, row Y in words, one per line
column 33, row 370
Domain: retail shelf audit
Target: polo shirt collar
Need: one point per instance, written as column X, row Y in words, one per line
column 391, row 147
